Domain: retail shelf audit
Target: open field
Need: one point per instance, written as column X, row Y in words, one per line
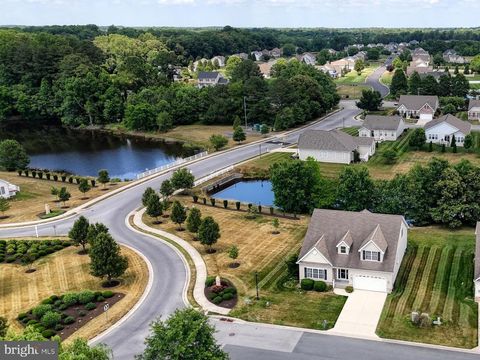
column 386, row 78
column 262, row 252
column 435, row 278
column 353, row 78
column 35, row 193
column 197, row 135
column 62, row 272
column 351, row 91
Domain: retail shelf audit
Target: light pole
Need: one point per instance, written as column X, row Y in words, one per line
column 245, row 111
column 260, row 150
column 256, row 283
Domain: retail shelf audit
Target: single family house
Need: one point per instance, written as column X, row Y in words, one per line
column 451, row 56
column 334, row 146
column 210, row 78
column 476, row 278
column 307, row 58
column 7, row 190
column 474, row 110
column 442, row 130
column 382, row 128
column 360, row 249
column 421, row 106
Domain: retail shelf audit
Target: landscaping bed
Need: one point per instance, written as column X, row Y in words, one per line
column 65, row 314
column 27, row 251
column 224, row 295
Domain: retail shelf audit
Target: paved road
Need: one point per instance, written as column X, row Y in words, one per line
column 374, row 81
column 169, row 273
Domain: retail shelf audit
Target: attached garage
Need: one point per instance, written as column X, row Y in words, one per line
column 427, row 117
column 372, row 283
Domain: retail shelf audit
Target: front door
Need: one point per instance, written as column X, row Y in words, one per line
column 342, row 274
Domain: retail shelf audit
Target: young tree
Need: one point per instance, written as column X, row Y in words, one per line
column 84, row 186
column 390, row 156
column 179, row 214
column 218, row 141
column 63, row 195
column 79, row 233
column 186, row 334
column 237, row 122
column 371, row 100
column 146, row 195
column 94, row 230
column 233, row 254
column 183, row 179
column 4, row 206
column 13, row 156
column 468, row 143
column 239, row 134
column 166, row 189
column 103, row 177
column 276, row 226
column 399, row 84
column 359, row 66
column 105, row 257
column 194, row 220
column 418, row 139
column 453, row 144
column 154, row 207
column 354, row 191
column 208, row 232
column 54, row 191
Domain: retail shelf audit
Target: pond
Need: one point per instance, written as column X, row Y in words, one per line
column 83, row 152
column 258, row 192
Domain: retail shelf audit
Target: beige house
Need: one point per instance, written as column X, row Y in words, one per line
column 382, row 128
column 421, row 106
column 360, row 249
column 474, row 110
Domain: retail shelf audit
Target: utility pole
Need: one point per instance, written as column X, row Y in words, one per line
column 245, row 110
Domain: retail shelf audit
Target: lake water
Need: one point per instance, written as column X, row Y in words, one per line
column 86, row 152
column 258, row 192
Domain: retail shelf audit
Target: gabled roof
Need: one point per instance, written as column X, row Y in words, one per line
column 334, row 140
column 463, row 126
column 332, row 225
column 204, row 75
column 473, row 103
column 477, row 252
column 347, row 239
column 415, row 102
column 377, row 122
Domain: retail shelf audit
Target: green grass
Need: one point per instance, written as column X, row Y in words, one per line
column 351, row 130
column 436, row 278
column 353, row 78
column 400, row 146
column 52, row 214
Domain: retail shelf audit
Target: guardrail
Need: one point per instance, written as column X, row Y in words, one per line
column 213, row 175
column 168, row 166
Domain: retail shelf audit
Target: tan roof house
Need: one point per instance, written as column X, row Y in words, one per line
column 421, row 106
column 382, row 128
column 442, row 130
column 474, row 110
column 360, row 249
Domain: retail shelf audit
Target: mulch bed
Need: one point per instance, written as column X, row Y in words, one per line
column 210, row 294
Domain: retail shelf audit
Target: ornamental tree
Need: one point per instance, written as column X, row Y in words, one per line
column 194, row 220
column 79, row 232
column 103, row 177
column 179, row 214
column 208, row 232
column 106, row 260
column 183, row 179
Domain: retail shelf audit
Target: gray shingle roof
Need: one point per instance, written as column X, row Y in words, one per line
column 334, row 140
column 377, row 122
column 473, row 103
column 464, row 126
column 203, row 75
column 477, row 252
column 332, row 225
column 415, row 102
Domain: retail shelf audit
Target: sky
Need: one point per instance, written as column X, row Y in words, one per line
column 244, row 13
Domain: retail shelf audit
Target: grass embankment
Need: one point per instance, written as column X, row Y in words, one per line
column 435, row 278
column 62, row 272
column 386, row 78
column 353, row 77
column 265, row 253
column 351, row 91
column 30, row 202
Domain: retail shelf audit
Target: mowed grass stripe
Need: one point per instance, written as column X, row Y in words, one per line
column 418, row 279
column 425, row 281
column 432, row 275
column 416, row 267
column 452, row 286
column 441, row 282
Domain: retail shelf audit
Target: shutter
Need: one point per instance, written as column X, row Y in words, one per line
column 305, row 272
column 325, row 275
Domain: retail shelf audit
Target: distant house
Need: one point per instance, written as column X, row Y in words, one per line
column 419, row 69
column 442, row 130
column 420, row 54
column 276, row 53
column 210, row 78
column 334, row 146
column 243, row 56
column 451, row 56
column 7, row 190
column 339, row 65
column 360, row 249
column 361, row 55
column 422, row 106
column 330, row 70
column 307, row 58
column 257, row 54
column 220, row 60
column 476, row 278
column 474, row 110
column 266, row 68
column 382, row 128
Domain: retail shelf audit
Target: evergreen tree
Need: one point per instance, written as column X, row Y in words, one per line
column 146, row 195
column 4, row 205
column 239, row 134
column 166, row 189
column 453, row 144
column 399, row 84
column 154, row 207
column 414, row 84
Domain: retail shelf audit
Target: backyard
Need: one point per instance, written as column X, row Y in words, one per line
column 264, row 253
column 66, row 271
column 435, row 278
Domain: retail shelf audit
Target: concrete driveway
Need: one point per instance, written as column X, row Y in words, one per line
column 360, row 314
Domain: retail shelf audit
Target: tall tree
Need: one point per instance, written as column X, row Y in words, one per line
column 183, row 179
column 208, row 232
column 371, row 100
column 179, row 214
column 399, row 84
column 79, row 233
column 105, row 257
column 417, row 139
column 194, row 220
column 354, row 191
column 414, row 84
column 13, row 156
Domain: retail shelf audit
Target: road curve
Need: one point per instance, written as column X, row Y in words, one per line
column 374, row 81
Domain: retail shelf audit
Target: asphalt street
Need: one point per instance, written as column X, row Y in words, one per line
column 374, row 81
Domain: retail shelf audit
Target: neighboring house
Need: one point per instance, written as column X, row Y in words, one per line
column 307, row 58
column 451, row 56
column 339, row 65
column 258, row 55
column 421, row 106
column 360, row 249
column 276, row 53
column 197, row 63
column 391, row 47
column 419, row 69
column 7, row 190
column 382, row 128
column 441, row 130
column 474, row 110
column 220, row 60
column 334, row 146
column 266, row 68
column 361, row 55
column 243, row 56
column 210, row 78
column 476, row 278
column 330, row 70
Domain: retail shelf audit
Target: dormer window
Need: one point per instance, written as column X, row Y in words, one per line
column 343, row 249
column 370, row 255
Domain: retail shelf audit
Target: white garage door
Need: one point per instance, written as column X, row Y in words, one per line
column 427, row 117
column 370, row 283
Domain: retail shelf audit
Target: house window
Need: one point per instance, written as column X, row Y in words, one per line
column 342, row 274
column 370, row 255
column 343, row 249
column 2, row 190
column 314, row 273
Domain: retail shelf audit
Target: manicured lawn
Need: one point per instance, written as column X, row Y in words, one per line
column 387, row 77
column 435, row 278
column 353, row 78
column 62, row 272
column 30, row 202
column 351, row 91
column 351, row 130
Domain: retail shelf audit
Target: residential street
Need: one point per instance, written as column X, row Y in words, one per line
column 374, row 81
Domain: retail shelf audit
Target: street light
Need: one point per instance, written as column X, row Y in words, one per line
column 256, row 284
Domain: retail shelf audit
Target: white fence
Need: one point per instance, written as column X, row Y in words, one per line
column 213, row 175
column 168, row 166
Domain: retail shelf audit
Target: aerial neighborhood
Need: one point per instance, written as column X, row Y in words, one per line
column 181, row 192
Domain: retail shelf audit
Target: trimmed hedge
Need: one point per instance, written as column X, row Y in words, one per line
column 107, row 294
column 48, row 333
column 210, row 281
column 349, row 289
column 320, row 286
column 307, row 284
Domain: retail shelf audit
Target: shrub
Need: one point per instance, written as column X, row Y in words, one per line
column 48, row 333
column 204, row 201
column 212, row 201
column 82, row 313
column 34, row 174
column 259, row 208
column 217, row 300
column 26, row 173
column 195, row 199
column 70, row 180
column 40, row 175
column 100, row 298
column 70, row 299
column 55, row 177
column 39, row 328
column 48, row 176
column 58, row 303
column 225, row 204
column 63, row 307
column 47, row 301
column 90, row 306
column 237, row 205
column 349, row 289
column 50, row 319
column 19, row 172
column 92, row 182
column 54, row 297
column 231, row 290
column 320, row 286
column 69, row 320
column 86, row 297
column 227, row 296
column 77, row 181
column 107, row 294
column 26, row 320
column 306, row 284
column 59, row 327
column 11, row 259
column 210, row 281
column 64, row 178
column 22, row 316
column 41, row 310
column 32, row 322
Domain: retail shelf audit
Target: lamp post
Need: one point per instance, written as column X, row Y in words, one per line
column 256, row 283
